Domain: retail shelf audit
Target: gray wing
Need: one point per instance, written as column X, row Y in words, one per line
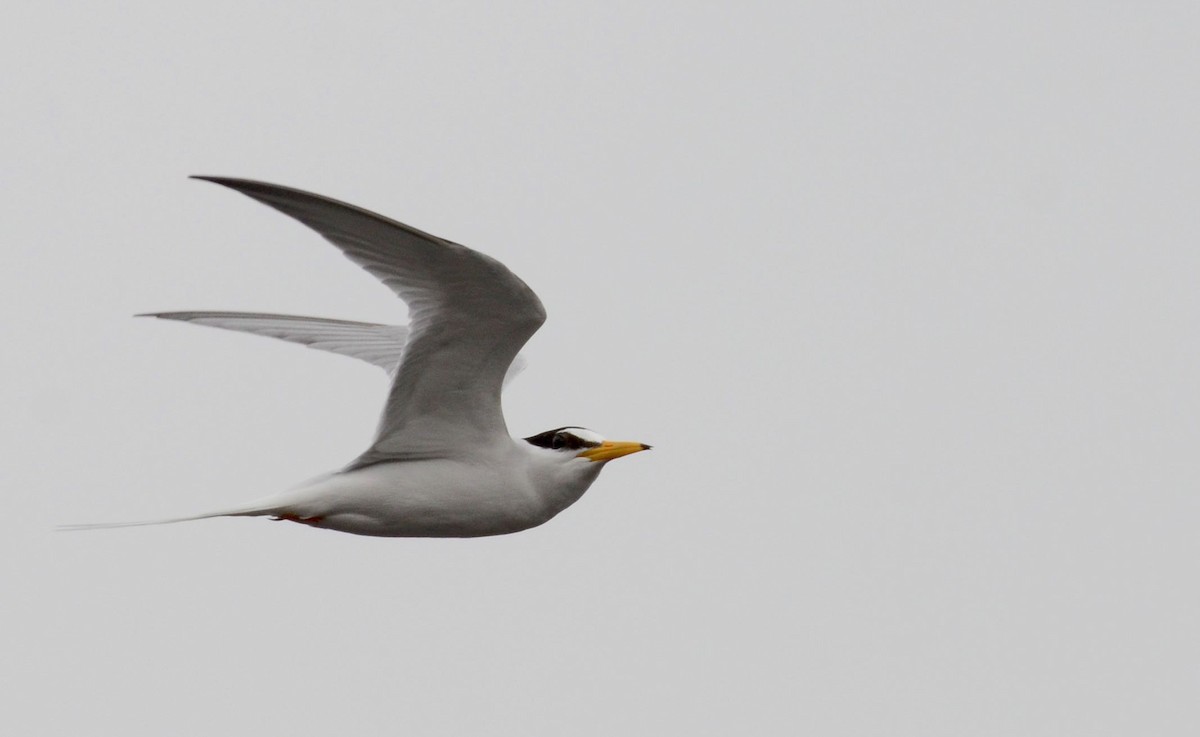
column 379, row 345
column 468, row 317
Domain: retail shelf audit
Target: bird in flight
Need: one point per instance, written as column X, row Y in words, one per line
column 442, row 463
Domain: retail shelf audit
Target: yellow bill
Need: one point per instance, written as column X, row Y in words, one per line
column 612, row 449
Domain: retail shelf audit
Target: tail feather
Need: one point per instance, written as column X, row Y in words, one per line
column 248, row 512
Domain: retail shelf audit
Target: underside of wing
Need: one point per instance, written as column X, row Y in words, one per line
column 468, row 317
column 379, row 345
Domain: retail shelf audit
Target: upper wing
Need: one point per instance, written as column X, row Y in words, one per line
column 468, row 317
column 380, row 345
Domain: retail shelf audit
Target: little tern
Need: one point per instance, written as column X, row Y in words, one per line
column 442, row 463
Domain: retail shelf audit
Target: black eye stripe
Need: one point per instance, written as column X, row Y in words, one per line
column 557, row 439
column 544, row 439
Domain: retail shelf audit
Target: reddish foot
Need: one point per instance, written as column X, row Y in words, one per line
column 313, row 521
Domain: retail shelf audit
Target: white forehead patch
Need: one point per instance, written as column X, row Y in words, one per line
column 585, row 434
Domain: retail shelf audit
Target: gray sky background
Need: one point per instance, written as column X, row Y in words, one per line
column 906, row 299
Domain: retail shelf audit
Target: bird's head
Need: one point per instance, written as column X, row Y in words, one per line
column 579, row 442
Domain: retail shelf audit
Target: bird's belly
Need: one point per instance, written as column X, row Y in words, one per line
column 423, row 499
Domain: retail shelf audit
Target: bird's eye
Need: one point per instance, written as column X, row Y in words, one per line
column 563, row 439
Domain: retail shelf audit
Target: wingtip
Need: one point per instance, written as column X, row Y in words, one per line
column 226, row 181
column 167, row 315
column 237, row 183
column 253, row 188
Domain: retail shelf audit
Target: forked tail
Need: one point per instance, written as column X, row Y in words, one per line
column 243, row 512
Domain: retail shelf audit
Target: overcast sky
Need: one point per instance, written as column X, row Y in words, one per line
column 905, row 299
